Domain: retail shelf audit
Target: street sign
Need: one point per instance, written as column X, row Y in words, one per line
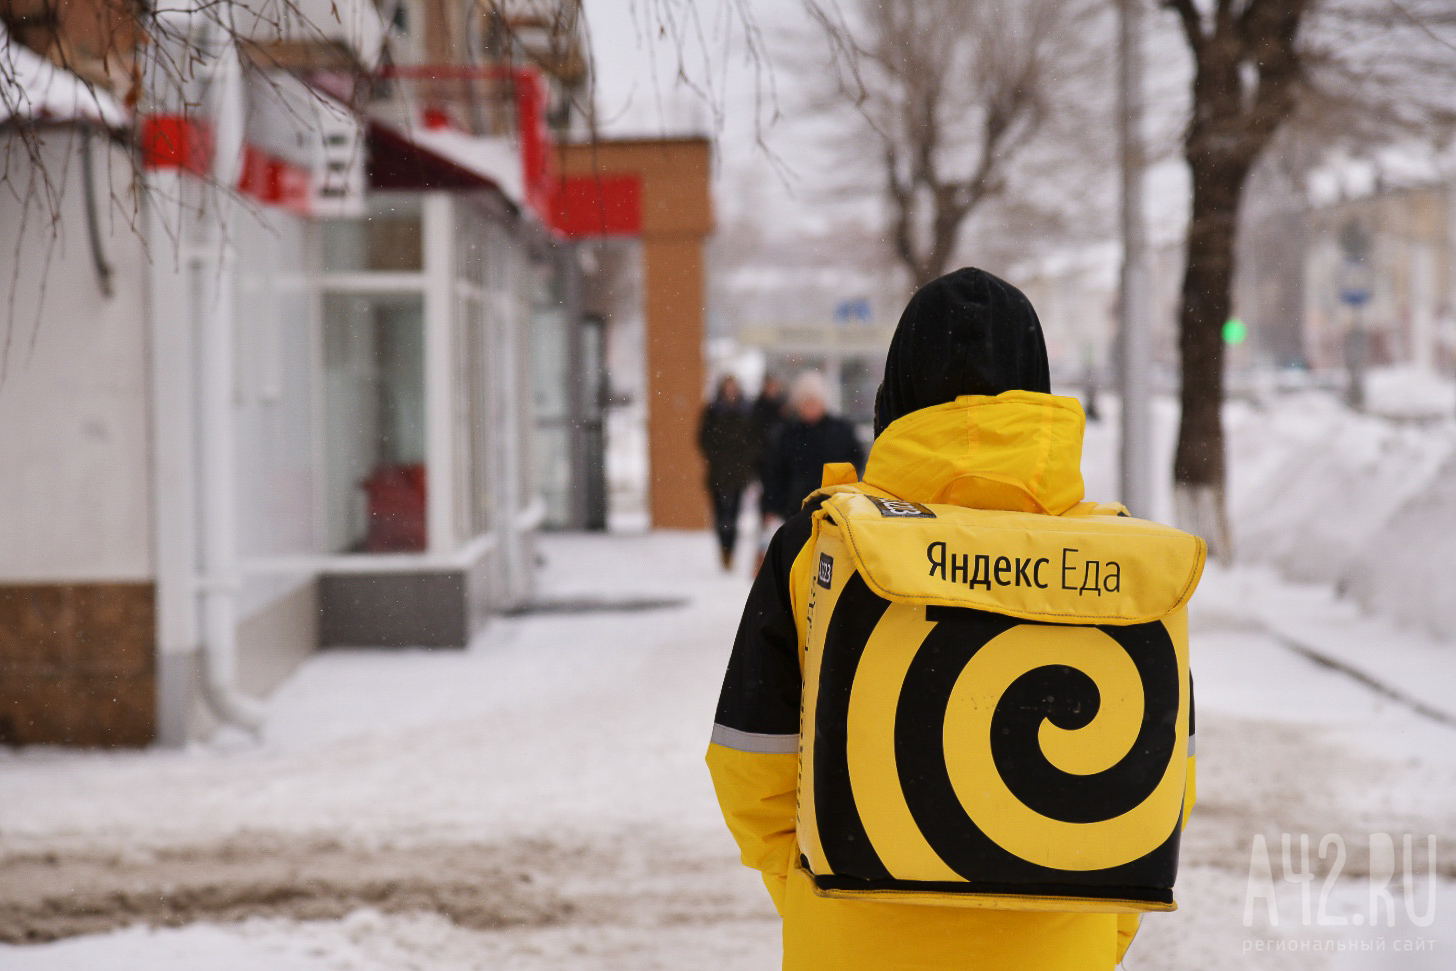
column 1355, row 283
column 857, row 308
column 1355, row 244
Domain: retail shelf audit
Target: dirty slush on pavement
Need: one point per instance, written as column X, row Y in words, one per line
column 54, row 895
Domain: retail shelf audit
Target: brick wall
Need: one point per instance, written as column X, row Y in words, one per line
column 78, row 664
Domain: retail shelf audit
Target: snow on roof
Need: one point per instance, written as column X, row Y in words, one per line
column 413, row 158
column 496, row 160
column 34, row 89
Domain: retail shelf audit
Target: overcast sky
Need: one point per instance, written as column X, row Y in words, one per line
column 639, row 47
column 640, row 44
column 640, row 91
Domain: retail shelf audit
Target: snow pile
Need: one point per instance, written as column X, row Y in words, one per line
column 1407, row 571
column 34, row 89
column 1409, row 392
column 1329, row 496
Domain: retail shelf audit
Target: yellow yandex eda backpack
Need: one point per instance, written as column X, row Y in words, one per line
column 996, row 706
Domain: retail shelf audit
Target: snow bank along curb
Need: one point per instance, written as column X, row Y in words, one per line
column 1364, row 503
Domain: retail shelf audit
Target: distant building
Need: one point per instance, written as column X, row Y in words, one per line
column 814, row 306
column 1411, row 279
column 849, row 352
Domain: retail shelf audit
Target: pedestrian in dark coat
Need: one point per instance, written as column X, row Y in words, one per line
column 730, row 445
column 809, row 440
column 770, row 412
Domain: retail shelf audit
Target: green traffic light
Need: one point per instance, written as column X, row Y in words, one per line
column 1235, row 331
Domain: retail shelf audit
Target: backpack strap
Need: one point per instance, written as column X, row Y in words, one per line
column 841, row 478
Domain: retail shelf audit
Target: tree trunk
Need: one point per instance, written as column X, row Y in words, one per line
column 1199, row 464
column 1243, row 90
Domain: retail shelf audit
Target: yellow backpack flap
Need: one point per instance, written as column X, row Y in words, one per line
column 996, row 706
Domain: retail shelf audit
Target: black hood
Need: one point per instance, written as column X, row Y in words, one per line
column 968, row 332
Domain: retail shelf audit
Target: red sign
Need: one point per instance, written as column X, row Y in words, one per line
column 598, row 205
column 177, row 142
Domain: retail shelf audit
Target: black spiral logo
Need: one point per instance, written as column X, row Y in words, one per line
column 1060, row 694
column 1022, row 753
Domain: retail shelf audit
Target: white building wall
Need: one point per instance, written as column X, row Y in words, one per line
column 276, row 320
column 73, row 394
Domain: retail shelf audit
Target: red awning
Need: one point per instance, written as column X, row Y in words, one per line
column 398, row 162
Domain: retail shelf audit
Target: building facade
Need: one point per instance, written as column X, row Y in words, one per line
column 269, row 381
column 1408, row 315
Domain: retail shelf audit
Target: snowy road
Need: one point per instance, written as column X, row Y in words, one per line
column 539, row 801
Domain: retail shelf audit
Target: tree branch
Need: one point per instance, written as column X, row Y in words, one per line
column 1268, row 33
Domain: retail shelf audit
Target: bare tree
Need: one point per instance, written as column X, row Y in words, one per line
column 1355, row 68
column 952, row 96
column 1247, row 69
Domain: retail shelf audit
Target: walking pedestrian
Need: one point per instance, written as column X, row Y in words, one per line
column 729, row 443
column 810, row 439
column 770, row 411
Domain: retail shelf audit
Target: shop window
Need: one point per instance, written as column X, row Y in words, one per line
column 389, row 239
column 374, row 422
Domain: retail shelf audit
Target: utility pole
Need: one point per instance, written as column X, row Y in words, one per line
column 1133, row 342
column 1355, row 292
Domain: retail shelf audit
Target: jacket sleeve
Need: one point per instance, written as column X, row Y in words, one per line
column 1127, row 928
column 754, row 754
column 776, row 471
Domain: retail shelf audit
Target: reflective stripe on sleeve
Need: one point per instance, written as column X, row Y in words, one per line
column 755, row 742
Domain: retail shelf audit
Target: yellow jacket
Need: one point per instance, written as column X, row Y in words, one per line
column 1017, row 451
